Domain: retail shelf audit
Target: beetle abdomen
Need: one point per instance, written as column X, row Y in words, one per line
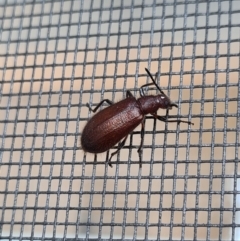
column 111, row 125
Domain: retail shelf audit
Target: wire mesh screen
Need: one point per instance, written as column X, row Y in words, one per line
column 56, row 56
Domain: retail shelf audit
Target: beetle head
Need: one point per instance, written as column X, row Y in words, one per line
column 165, row 102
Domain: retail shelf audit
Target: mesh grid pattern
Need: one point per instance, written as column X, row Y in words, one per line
column 57, row 56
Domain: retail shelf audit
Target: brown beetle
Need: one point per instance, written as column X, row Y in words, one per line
column 113, row 124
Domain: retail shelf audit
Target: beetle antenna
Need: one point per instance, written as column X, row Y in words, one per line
column 154, row 82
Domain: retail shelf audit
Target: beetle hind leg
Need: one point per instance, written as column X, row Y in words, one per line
column 120, row 146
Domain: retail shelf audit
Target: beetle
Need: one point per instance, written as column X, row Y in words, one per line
column 113, row 124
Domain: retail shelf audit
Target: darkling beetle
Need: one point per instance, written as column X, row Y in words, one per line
column 113, row 124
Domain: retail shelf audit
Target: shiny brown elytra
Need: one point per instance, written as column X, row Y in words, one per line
column 113, row 124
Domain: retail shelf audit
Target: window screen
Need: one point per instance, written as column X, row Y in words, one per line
column 56, row 56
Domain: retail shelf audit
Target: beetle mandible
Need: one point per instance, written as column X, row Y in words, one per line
column 113, row 124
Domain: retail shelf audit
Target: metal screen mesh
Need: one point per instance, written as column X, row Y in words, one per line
column 56, row 56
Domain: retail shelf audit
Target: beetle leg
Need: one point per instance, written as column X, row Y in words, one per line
column 164, row 119
column 141, row 144
column 120, row 146
column 129, row 94
column 167, row 113
column 141, row 90
column 95, row 109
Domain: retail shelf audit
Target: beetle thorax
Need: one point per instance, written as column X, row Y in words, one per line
column 151, row 103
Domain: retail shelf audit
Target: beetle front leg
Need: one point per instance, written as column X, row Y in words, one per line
column 164, row 119
column 95, row 109
column 120, row 146
column 141, row 144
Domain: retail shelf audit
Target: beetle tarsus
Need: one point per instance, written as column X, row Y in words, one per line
column 140, row 156
column 141, row 144
column 88, row 106
column 109, row 163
